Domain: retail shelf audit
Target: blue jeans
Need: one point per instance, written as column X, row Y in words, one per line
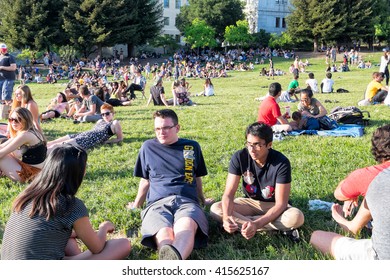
column 6, row 87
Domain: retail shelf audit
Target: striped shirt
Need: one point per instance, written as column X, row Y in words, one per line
column 36, row 238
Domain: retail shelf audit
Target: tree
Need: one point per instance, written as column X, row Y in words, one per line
column 31, row 23
column 200, row 35
column 238, row 35
column 147, row 22
column 166, row 41
column 216, row 13
column 315, row 20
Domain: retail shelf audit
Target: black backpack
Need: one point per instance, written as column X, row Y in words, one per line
column 349, row 115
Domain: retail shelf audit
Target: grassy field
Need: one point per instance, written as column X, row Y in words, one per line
column 218, row 124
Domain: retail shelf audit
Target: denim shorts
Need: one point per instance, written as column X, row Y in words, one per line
column 7, row 87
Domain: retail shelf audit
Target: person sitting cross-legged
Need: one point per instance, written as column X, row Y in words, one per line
column 266, row 183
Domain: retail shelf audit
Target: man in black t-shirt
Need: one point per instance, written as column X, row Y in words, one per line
column 266, row 183
column 7, row 75
column 157, row 94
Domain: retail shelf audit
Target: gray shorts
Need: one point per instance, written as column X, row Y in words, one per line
column 164, row 213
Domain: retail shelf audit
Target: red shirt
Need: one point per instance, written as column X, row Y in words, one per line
column 269, row 111
column 357, row 182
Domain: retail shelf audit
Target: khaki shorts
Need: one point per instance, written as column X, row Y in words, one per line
column 347, row 248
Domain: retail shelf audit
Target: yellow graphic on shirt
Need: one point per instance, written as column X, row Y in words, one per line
column 188, row 154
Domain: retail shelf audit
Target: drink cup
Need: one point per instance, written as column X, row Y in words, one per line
column 288, row 112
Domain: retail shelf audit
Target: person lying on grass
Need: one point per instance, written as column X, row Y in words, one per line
column 99, row 134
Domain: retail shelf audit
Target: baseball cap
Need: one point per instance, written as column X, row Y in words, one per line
column 3, row 47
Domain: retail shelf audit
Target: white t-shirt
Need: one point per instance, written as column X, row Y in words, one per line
column 313, row 84
column 327, row 85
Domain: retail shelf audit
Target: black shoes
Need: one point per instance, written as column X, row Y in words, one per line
column 293, row 235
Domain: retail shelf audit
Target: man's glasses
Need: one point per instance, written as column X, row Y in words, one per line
column 105, row 114
column 255, row 146
column 164, row 128
column 16, row 120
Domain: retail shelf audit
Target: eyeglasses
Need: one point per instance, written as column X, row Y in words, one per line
column 105, row 114
column 164, row 128
column 255, row 146
column 16, row 120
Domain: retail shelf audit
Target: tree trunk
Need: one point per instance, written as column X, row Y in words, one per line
column 130, row 50
column 315, row 45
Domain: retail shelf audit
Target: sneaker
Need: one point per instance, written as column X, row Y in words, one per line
column 168, row 252
column 76, row 121
column 293, row 235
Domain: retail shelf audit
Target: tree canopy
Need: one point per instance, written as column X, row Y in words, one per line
column 83, row 24
column 216, row 13
column 238, row 35
column 200, row 35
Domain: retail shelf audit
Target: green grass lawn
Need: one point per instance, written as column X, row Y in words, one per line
column 218, row 124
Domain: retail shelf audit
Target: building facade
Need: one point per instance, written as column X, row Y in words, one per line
column 269, row 15
column 171, row 9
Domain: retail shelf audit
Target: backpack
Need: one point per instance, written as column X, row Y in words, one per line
column 349, row 115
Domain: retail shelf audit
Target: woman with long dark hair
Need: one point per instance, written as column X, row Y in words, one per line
column 47, row 217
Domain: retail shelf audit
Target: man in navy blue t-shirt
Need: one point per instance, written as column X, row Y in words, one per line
column 266, row 183
column 170, row 169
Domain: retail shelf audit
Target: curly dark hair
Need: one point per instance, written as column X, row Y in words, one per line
column 381, row 143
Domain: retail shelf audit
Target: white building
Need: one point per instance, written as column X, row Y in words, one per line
column 269, row 15
column 171, row 9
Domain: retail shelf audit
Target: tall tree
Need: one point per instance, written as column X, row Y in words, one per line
column 31, row 23
column 216, row 13
column 238, row 35
column 200, row 35
column 315, row 20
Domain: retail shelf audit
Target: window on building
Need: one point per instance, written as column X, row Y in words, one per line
column 166, row 3
column 177, row 4
column 277, row 1
column 283, row 23
column 177, row 37
column 277, row 22
column 166, row 20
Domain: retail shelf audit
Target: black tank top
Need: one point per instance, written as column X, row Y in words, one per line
column 35, row 154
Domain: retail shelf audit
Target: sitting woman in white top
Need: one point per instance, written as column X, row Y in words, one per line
column 99, row 134
column 327, row 84
column 208, row 88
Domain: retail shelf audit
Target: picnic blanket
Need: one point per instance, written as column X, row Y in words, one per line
column 348, row 130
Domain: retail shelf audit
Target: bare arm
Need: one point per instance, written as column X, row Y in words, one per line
column 362, row 217
column 95, row 241
column 199, row 190
column 117, row 129
column 322, row 109
column 10, row 68
column 14, row 143
column 232, row 183
column 141, row 195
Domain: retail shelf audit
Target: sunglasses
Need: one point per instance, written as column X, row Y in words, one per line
column 16, row 120
column 105, row 114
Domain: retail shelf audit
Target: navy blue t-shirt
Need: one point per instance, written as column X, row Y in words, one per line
column 260, row 183
column 170, row 169
column 7, row 60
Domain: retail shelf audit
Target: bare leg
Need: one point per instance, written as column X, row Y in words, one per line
column 48, row 115
column 9, row 167
column 184, row 229
column 115, row 249
column 324, row 241
column 59, row 140
column 164, row 236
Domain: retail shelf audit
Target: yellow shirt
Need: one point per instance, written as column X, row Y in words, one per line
column 372, row 89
